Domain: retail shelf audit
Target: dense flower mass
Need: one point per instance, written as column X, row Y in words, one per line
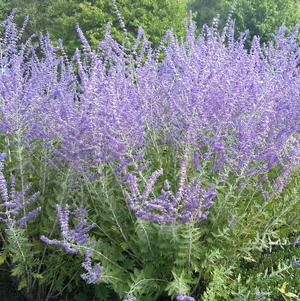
column 237, row 107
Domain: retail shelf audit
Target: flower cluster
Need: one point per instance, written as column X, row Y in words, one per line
column 75, row 240
column 190, row 202
column 238, row 107
column 14, row 204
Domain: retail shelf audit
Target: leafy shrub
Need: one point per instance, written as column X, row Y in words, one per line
column 169, row 171
column 262, row 18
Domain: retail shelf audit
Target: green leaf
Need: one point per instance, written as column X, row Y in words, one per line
column 38, row 276
column 22, row 284
column 2, row 258
column 292, row 295
column 282, row 288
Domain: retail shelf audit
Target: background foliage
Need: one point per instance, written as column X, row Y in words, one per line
column 260, row 17
column 59, row 17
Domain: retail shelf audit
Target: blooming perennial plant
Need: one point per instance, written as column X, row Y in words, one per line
column 204, row 106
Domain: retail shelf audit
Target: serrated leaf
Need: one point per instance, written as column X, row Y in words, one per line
column 16, row 272
column 292, row 295
column 22, row 284
column 2, row 258
column 282, row 288
column 38, row 276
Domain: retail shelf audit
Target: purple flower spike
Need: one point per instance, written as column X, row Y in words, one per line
column 15, row 203
column 74, row 239
column 190, row 202
column 197, row 160
column 3, row 184
column 181, row 297
column 92, row 274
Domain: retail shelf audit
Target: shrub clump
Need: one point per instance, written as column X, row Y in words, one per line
column 169, row 171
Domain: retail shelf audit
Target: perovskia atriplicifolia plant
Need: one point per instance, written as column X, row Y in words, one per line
column 161, row 172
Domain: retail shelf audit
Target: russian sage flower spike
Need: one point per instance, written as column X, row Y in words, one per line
column 3, row 184
column 152, row 180
column 93, row 273
column 73, row 240
column 182, row 176
column 197, row 160
column 15, row 203
column 83, row 39
column 181, row 297
column 190, row 202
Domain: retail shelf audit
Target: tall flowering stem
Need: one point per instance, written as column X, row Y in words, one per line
column 14, row 202
column 76, row 239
